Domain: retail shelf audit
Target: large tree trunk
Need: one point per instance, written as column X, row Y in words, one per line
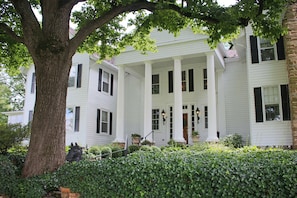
column 47, row 143
column 290, row 21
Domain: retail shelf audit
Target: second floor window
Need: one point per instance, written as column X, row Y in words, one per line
column 105, row 82
column 75, row 76
column 184, row 81
column 264, row 50
column 267, row 50
column 155, row 84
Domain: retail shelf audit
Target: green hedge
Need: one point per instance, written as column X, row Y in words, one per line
column 247, row 172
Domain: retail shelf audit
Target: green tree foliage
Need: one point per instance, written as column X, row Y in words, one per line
column 12, row 135
column 23, row 40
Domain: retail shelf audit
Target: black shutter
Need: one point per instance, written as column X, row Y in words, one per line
column 280, row 49
column 285, row 102
column 100, row 79
column 254, row 49
column 111, row 84
column 170, row 81
column 79, row 72
column 98, row 121
column 110, row 123
column 191, row 80
column 77, row 115
column 258, row 104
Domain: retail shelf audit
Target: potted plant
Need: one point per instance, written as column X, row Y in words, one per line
column 135, row 138
column 195, row 136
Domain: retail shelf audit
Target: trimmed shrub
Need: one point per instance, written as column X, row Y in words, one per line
column 245, row 172
column 106, row 152
column 133, row 148
column 233, row 140
column 117, row 151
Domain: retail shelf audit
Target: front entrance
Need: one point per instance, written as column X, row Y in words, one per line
column 185, row 127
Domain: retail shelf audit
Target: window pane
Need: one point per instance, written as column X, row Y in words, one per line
column 184, row 81
column 267, row 54
column 72, row 75
column 271, row 100
column 105, row 87
column 105, row 82
column 69, row 119
column 267, row 50
column 155, row 119
column 104, row 128
column 104, row 116
column 272, row 112
column 155, row 84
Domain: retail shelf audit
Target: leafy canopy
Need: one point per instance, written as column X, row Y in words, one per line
column 111, row 35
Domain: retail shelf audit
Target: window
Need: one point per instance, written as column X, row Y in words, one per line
column 72, row 119
column 267, row 50
column 206, row 117
column 155, row 84
column 204, row 79
column 271, row 103
column 184, row 81
column 262, row 49
column 69, row 119
column 33, row 83
column 104, row 122
column 105, row 82
column 274, row 100
column 75, row 76
column 155, row 119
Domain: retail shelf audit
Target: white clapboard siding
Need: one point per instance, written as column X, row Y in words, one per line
column 266, row 73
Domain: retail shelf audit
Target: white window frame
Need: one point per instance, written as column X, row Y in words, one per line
column 273, row 46
column 106, row 81
column 104, row 122
column 278, row 102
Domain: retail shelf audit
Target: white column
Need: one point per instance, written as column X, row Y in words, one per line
column 148, row 102
column 211, row 94
column 120, row 106
column 178, row 102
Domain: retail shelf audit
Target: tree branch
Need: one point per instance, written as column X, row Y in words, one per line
column 9, row 32
column 29, row 22
column 104, row 19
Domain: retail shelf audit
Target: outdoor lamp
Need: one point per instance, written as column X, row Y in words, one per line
column 198, row 113
column 163, row 116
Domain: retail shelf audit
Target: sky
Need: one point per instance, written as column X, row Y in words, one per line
column 226, row 2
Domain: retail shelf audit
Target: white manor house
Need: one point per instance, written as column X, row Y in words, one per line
column 185, row 86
